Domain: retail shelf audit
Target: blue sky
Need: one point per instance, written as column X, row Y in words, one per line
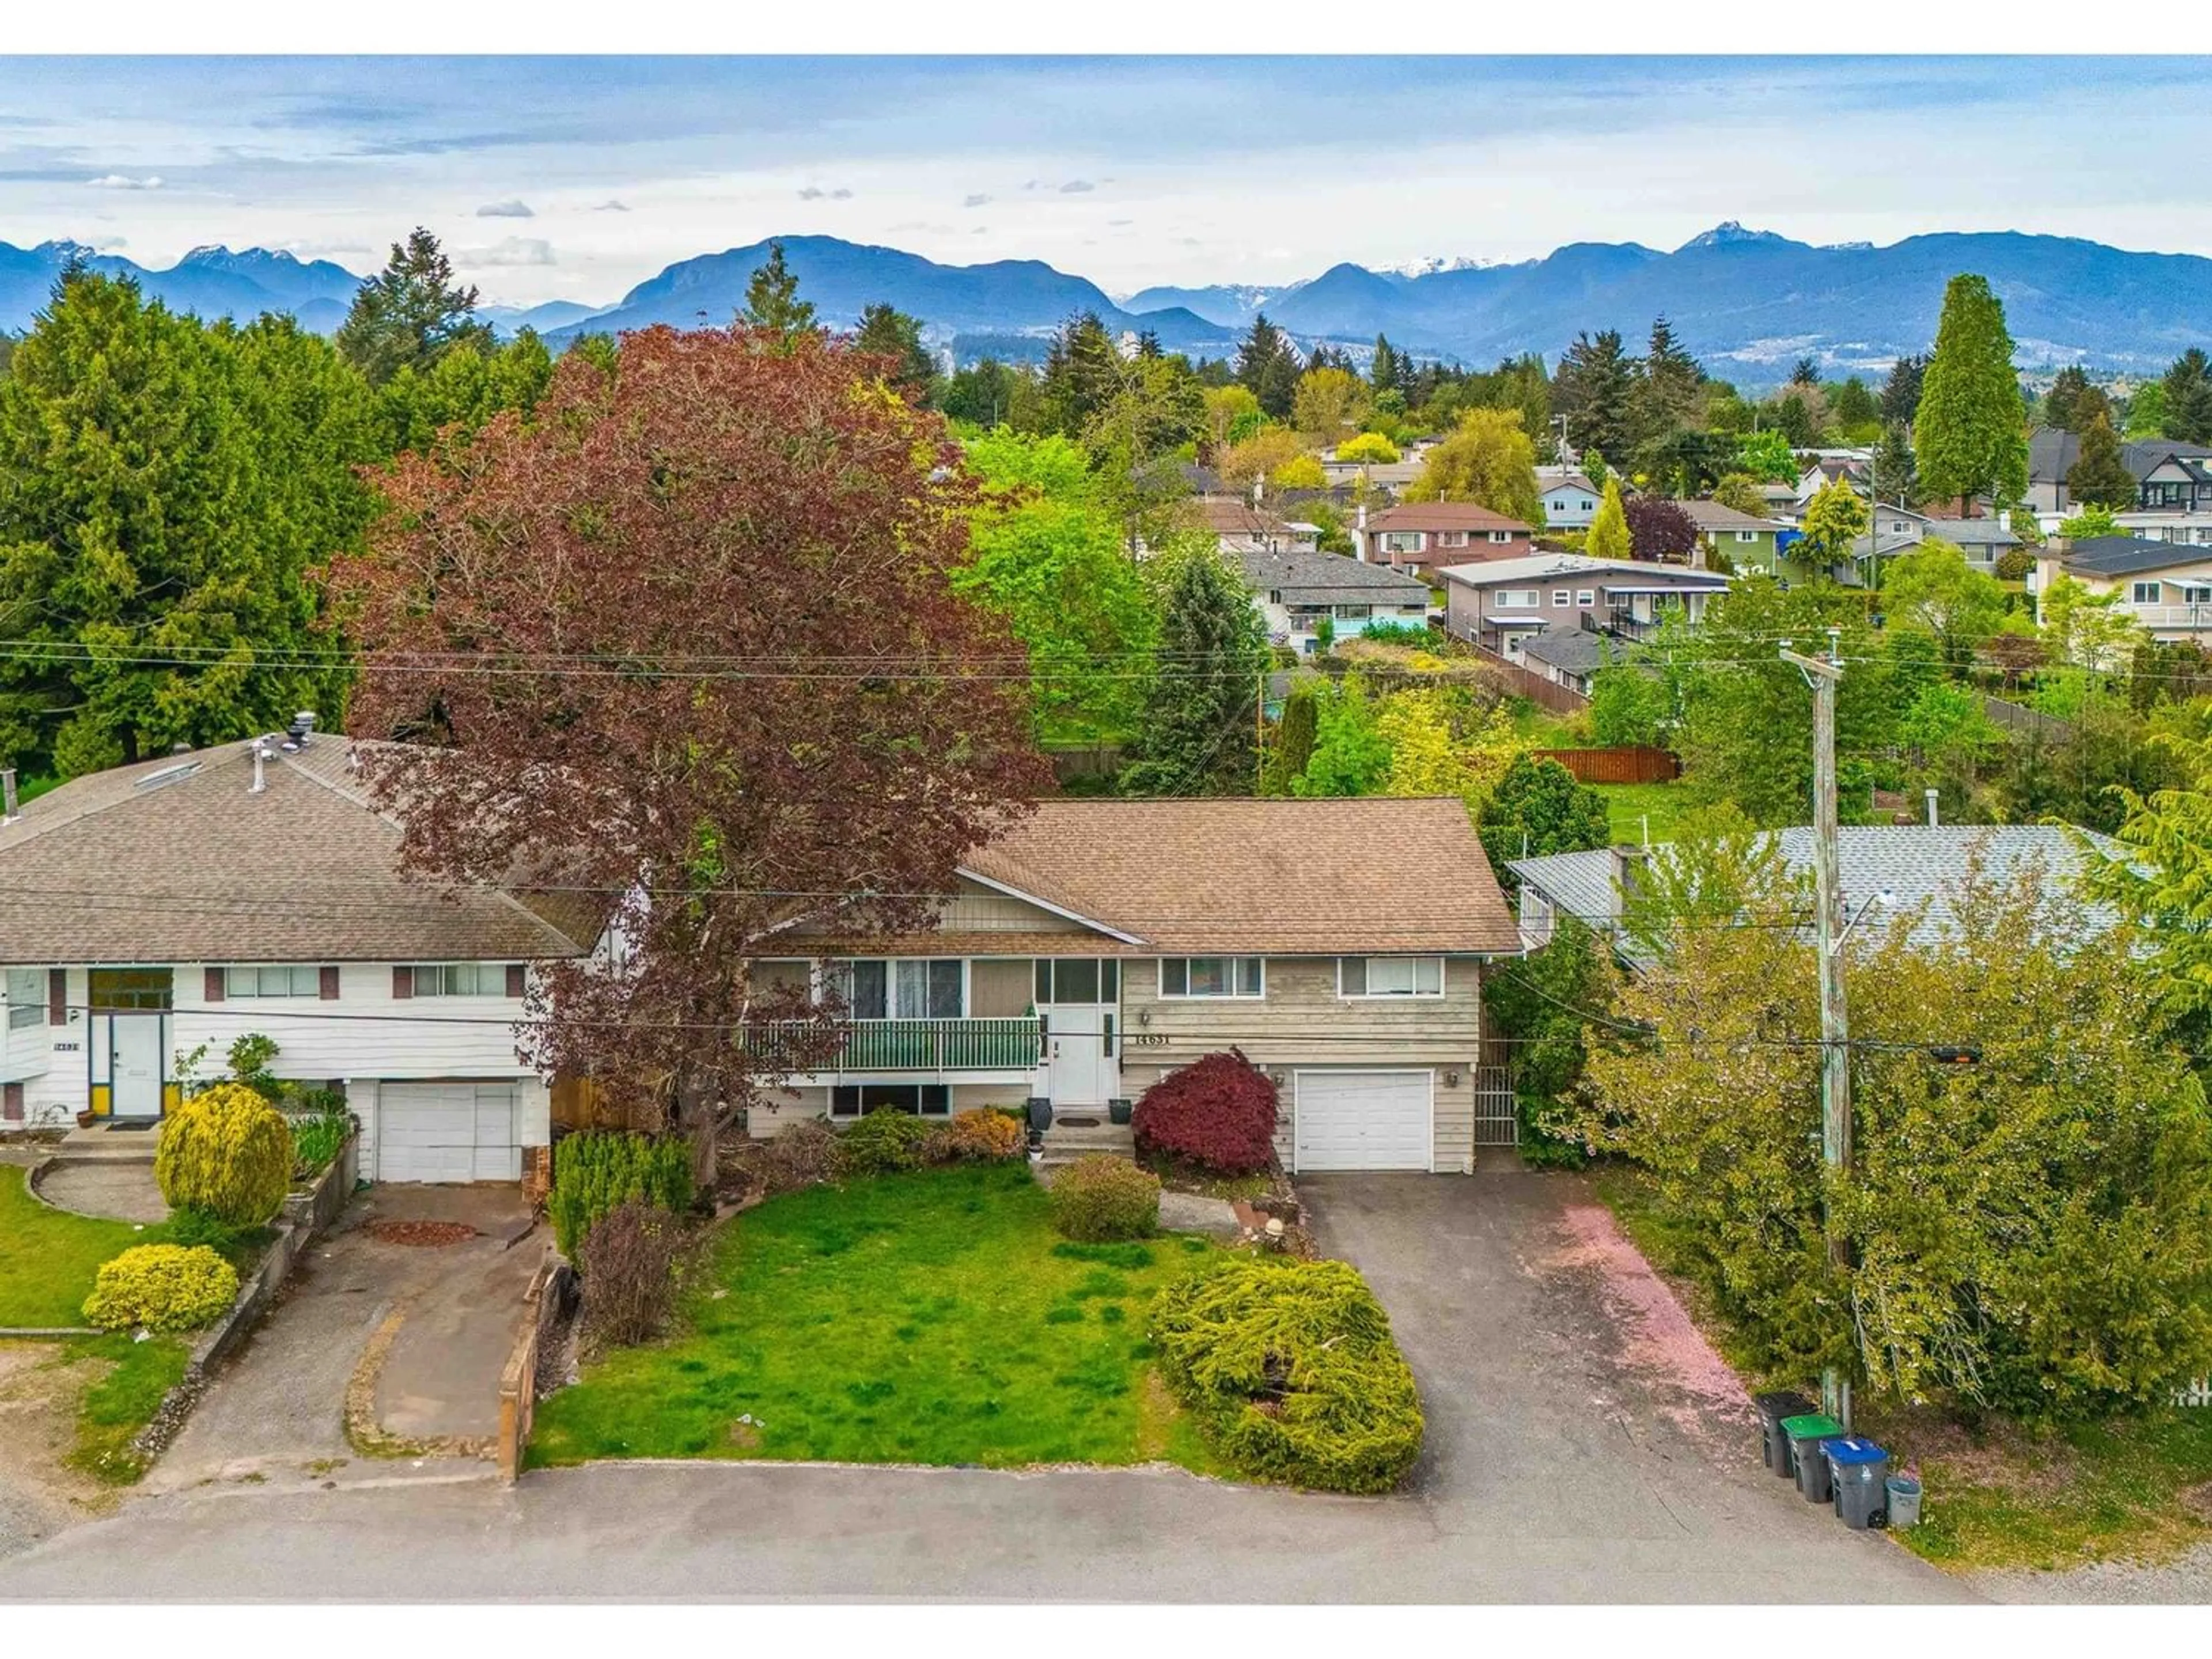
column 575, row 178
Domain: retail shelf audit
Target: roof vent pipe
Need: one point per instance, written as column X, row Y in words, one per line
column 260, row 776
column 8, row 795
column 297, row 733
column 1931, row 808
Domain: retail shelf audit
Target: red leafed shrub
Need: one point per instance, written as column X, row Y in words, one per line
column 1218, row 1114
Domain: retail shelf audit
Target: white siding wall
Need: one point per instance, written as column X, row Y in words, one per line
column 57, row 1094
column 365, row 1032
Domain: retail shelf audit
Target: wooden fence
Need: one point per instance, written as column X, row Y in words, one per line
column 2026, row 722
column 1525, row 682
column 1623, row 765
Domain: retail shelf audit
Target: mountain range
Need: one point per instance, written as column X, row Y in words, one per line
column 1748, row 302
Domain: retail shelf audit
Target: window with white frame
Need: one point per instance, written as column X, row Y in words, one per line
column 1501, row 537
column 2143, row 593
column 1536, row 919
column 26, row 997
column 900, row 988
column 1586, row 596
column 1389, row 977
column 921, row 1099
column 1354, row 612
column 1452, row 539
column 1519, row 598
column 1561, row 596
column 1746, row 535
column 2196, row 593
column 457, row 979
column 1212, row 977
column 1402, row 541
column 286, row 980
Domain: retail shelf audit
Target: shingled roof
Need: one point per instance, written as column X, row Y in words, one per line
column 1265, row 877
column 177, row 859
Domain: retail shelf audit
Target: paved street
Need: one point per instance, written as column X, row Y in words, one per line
column 1583, row 1447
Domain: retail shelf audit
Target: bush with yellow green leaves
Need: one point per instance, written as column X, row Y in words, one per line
column 226, row 1152
column 162, row 1287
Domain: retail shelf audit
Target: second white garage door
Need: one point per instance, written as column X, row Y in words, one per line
column 1364, row 1120
column 449, row 1131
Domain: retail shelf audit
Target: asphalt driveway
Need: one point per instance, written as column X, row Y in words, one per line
column 1580, row 1451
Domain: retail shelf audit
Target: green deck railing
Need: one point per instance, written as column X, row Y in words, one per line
column 907, row 1045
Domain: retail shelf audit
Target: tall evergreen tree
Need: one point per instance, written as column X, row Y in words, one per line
column 1594, row 389
column 1900, row 393
column 1383, row 372
column 411, row 313
column 1263, row 343
column 887, row 333
column 1853, row 405
column 1896, row 476
column 1196, row 736
column 1082, row 374
column 2072, row 402
column 772, row 301
column 1967, row 436
column 168, row 487
column 2099, row 478
column 1666, row 392
column 1805, row 372
column 2187, row 390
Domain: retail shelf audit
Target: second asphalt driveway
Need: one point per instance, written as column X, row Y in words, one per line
column 1582, row 1446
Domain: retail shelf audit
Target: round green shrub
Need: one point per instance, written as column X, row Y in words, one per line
column 1289, row 1368
column 884, row 1141
column 226, row 1152
column 1100, row 1198
column 162, row 1287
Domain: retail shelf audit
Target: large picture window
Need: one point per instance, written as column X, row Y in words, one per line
column 1212, row 977
column 1391, row 976
column 284, row 980
column 457, row 979
column 901, row 988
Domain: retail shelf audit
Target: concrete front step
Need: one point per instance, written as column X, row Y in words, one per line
column 1064, row 1146
column 100, row 1145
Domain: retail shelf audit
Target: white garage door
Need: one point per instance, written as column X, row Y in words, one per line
column 448, row 1132
column 1364, row 1120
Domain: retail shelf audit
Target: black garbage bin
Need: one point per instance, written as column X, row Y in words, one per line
column 1806, row 1433
column 1773, row 1409
column 1860, row 1472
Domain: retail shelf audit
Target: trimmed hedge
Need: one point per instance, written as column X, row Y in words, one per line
column 883, row 1142
column 162, row 1287
column 1100, row 1198
column 1218, row 1113
column 1289, row 1368
column 594, row 1172
column 226, row 1152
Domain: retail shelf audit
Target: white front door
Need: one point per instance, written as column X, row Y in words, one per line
column 134, row 1062
column 1076, row 1055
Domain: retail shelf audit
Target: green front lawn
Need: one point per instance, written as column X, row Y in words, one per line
column 48, row 1256
column 123, row 1401
column 927, row 1318
column 1628, row 804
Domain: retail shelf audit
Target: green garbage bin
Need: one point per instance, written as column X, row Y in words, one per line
column 1806, row 1433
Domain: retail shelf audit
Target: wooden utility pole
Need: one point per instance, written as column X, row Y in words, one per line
column 1822, row 674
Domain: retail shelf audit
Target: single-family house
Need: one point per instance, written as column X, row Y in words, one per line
column 1570, row 655
column 2172, row 478
column 164, row 910
column 1499, row 605
column 2165, row 587
column 1825, row 468
column 1239, row 526
column 1745, row 540
column 1297, row 592
column 1913, row 864
column 1094, row 946
column 1571, row 501
column 1982, row 539
column 1425, row 537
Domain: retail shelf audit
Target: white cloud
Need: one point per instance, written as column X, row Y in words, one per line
column 510, row 251
column 815, row 194
column 510, row 209
column 975, row 201
column 124, row 181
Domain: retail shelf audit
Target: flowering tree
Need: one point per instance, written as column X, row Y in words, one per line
column 687, row 643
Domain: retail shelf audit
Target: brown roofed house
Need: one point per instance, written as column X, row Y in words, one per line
column 1425, row 537
column 1095, row 946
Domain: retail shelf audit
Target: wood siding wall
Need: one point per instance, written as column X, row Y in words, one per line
column 1302, row 1022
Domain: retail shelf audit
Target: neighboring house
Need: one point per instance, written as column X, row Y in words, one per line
column 1747, row 542
column 1389, row 477
column 168, row 907
column 2167, row 588
column 1825, row 469
column 1095, row 946
column 1238, row 526
column 2172, row 477
column 1427, row 537
column 1294, row 592
column 1915, row 864
column 1570, row 656
column 1982, row 539
column 1499, row 605
column 1571, row 501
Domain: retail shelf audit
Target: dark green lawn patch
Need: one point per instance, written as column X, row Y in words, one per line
column 48, row 1256
column 930, row 1318
column 139, row 1377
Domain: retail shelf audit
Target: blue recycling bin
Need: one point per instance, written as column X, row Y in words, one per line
column 1858, row 1473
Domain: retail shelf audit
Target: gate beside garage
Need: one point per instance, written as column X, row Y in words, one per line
column 1497, row 1111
